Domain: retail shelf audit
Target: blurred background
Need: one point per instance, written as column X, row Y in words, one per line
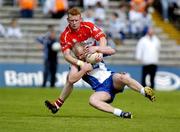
column 125, row 22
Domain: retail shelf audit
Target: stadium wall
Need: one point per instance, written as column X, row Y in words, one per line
column 31, row 75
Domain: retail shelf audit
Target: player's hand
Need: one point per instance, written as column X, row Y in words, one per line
column 99, row 57
column 90, row 49
column 87, row 67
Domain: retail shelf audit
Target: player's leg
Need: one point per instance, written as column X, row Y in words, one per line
column 45, row 73
column 145, row 72
column 120, row 80
column 99, row 101
column 66, row 91
column 55, row 106
column 53, row 69
column 153, row 70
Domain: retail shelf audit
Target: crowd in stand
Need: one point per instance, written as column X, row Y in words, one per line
column 11, row 31
column 130, row 20
column 170, row 9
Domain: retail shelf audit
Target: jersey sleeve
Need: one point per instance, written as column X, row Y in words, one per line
column 64, row 43
column 97, row 33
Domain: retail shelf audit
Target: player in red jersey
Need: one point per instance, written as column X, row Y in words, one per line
column 77, row 31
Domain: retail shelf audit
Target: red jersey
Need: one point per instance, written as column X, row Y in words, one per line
column 85, row 33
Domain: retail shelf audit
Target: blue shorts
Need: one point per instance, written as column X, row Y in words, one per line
column 107, row 86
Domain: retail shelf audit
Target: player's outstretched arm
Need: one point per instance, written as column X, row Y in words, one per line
column 69, row 58
column 100, row 49
column 106, row 50
column 103, row 41
column 75, row 74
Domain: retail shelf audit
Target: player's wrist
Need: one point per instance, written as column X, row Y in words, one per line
column 80, row 63
column 97, row 48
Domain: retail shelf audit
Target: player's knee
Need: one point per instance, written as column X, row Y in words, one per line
column 70, row 80
column 125, row 78
column 92, row 100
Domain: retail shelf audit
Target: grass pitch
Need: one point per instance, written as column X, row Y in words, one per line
column 23, row 110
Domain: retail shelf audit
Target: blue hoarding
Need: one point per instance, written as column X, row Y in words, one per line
column 28, row 75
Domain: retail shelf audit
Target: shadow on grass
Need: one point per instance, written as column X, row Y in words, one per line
column 70, row 116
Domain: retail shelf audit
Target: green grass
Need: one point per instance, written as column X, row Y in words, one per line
column 23, row 110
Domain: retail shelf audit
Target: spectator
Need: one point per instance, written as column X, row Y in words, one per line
column 135, row 21
column 41, row 2
column 47, row 7
column 123, row 11
column 146, row 21
column 165, row 10
column 14, row 30
column 88, row 3
column 1, row 3
column 147, row 53
column 100, row 13
column 56, row 8
column 174, row 7
column 2, row 31
column 139, row 17
column 116, row 27
column 27, row 7
column 50, row 56
column 138, row 5
column 89, row 15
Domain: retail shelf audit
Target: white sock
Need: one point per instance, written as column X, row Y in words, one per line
column 117, row 112
column 142, row 91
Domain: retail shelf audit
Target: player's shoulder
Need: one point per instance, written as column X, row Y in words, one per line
column 89, row 24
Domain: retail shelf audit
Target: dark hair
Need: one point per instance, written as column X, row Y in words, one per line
column 115, row 14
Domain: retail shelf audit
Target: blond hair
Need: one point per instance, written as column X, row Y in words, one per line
column 76, row 47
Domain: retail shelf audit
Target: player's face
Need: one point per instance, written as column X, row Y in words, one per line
column 74, row 21
column 80, row 53
column 150, row 32
column 52, row 34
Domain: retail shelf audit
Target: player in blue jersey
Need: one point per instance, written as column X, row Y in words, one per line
column 105, row 83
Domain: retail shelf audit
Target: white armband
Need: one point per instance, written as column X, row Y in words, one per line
column 80, row 63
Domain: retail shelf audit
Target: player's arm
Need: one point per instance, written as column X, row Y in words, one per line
column 98, row 35
column 102, row 41
column 75, row 74
column 66, row 50
column 69, row 58
column 106, row 50
column 102, row 48
column 40, row 39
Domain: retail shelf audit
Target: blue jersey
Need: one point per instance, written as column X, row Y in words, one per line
column 98, row 75
column 101, row 79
